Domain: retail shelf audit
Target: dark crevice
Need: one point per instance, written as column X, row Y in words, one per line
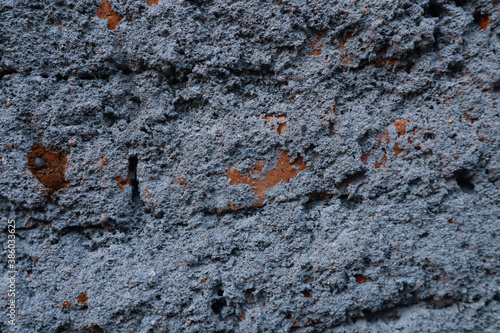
column 63, row 328
column 429, row 136
column 461, row 3
column 218, row 305
column 391, row 313
column 342, row 187
column 350, row 202
column 434, row 10
column 132, row 169
column 7, row 72
column 496, row 86
column 455, row 69
column 465, row 183
column 317, row 198
column 81, row 229
column 60, row 77
column 96, row 329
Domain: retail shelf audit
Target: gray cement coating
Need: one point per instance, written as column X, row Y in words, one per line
column 251, row 166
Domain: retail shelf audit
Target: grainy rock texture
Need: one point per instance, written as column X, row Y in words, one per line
column 251, row 166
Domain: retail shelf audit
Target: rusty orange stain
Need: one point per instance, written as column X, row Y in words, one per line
column 469, row 118
column 279, row 123
column 484, row 21
column 82, row 298
column 307, row 294
column 342, row 41
column 397, row 150
column 383, row 135
column 260, row 183
column 316, row 52
column 381, row 163
column 106, row 12
column 122, row 182
column 414, row 131
column 234, row 207
column 153, row 2
column 53, row 176
column 103, row 161
column 364, row 157
column 66, row 304
column 401, row 126
column 360, row 278
column 384, row 62
column 349, row 180
column 182, row 180
column 346, row 60
column 313, row 46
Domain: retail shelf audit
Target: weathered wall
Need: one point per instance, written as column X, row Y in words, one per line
column 251, row 166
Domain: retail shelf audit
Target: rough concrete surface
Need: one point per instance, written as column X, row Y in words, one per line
column 251, row 166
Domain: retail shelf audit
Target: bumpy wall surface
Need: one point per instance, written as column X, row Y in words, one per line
column 251, row 166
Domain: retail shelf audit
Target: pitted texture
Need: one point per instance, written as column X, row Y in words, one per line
column 252, row 166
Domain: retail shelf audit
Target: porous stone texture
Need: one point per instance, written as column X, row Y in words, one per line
column 251, row 166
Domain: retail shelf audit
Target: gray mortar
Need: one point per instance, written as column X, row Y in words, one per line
column 188, row 98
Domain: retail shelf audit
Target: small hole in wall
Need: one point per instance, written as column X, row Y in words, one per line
column 429, row 136
column 455, row 69
column 465, row 184
column 96, row 328
column 496, row 85
column 218, row 305
column 461, row 3
column 248, row 293
column 220, row 292
column 434, row 10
